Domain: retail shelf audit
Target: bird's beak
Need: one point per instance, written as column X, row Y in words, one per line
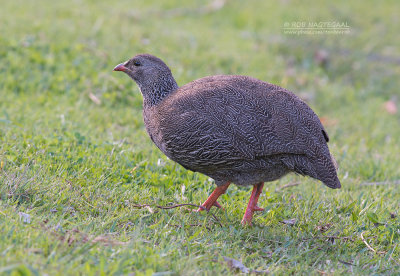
column 120, row 67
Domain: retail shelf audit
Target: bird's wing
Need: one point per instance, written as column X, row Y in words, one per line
column 226, row 121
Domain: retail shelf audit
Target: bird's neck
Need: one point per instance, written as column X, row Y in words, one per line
column 155, row 92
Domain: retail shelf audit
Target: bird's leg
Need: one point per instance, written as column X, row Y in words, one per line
column 252, row 206
column 212, row 199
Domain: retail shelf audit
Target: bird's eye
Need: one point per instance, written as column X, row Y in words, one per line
column 137, row 63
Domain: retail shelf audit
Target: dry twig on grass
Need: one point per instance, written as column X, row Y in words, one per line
column 368, row 246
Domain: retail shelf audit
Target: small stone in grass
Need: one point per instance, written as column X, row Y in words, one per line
column 289, row 221
column 26, row 218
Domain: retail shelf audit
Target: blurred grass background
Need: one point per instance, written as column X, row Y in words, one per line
column 75, row 157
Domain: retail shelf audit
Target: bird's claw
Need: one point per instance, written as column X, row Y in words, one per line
column 216, row 204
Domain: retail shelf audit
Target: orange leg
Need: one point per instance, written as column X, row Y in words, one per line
column 252, row 206
column 212, row 199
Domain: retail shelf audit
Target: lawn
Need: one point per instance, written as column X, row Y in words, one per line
column 81, row 183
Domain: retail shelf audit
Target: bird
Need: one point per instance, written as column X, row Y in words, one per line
column 231, row 128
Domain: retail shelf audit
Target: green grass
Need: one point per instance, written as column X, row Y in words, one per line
column 78, row 168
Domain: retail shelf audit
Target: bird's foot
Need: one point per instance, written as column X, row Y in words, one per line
column 212, row 199
column 248, row 216
column 216, row 204
column 252, row 206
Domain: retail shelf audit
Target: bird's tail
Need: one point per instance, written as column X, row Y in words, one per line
column 322, row 168
column 325, row 170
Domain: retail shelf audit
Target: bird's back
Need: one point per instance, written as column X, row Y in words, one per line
column 229, row 123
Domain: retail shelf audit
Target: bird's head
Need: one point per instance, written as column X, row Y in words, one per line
column 151, row 74
column 144, row 69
